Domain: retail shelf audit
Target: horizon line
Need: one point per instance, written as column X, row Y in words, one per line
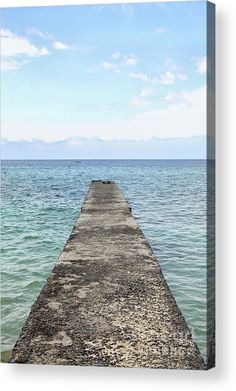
column 85, row 159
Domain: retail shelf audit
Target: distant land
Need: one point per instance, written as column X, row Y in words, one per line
column 171, row 148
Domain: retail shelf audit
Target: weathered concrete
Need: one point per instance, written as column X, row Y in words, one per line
column 106, row 302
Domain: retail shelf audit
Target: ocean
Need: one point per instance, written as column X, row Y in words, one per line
column 41, row 200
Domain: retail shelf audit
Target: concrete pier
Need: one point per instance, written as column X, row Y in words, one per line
column 106, row 302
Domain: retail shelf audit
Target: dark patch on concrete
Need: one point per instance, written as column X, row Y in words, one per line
column 106, row 302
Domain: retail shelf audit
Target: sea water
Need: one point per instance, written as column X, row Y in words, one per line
column 41, row 201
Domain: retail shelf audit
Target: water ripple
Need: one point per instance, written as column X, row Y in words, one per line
column 42, row 199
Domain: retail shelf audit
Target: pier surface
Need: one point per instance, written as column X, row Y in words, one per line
column 106, row 302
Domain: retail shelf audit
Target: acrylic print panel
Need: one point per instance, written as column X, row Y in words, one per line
column 108, row 185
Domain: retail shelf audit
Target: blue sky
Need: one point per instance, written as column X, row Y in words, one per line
column 85, row 80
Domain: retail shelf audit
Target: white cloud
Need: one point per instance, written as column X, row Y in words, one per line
column 160, row 30
column 146, row 92
column 172, row 67
column 141, row 99
column 110, row 66
column 131, row 61
column 34, row 31
column 48, row 37
column 138, row 101
column 10, row 65
column 201, row 64
column 44, row 52
column 164, row 79
column 167, row 78
column 60, row 45
column 169, row 96
column 182, row 76
column 16, row 51
column 13, row 45
column 116, row 55
column 103, row 107
column 184, row 119
column 170, row 64
column 122, row 61
column 140, row 76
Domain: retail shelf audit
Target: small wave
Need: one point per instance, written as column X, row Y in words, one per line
column 30, row 237
column 34, row 284
column 6, row 300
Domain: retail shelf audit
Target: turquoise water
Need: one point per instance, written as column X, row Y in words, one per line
column 42, row 199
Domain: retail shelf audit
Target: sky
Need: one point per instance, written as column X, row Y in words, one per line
column 104, row 81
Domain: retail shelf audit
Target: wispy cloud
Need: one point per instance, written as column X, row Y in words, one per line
column 170, row 64
column 60, row 45
column 144, row 77
column 138, row 101
column 142, row 99
column 170, row 121
column 48, row 37
column 160, row 30
column 169, row 96
column 201, row 64
column 131, row 61
column 35, row 32
column 164, row 78
column 17, row 50
column 13, row 45
column 146, row 92
column 172, row 68
column 167, row 78
column 103, row 107
column 120, row 60
column 127, row 10
column 141, row 76
column 11, row 65
column 116, row 55
column 182, row 76
column 110, row 66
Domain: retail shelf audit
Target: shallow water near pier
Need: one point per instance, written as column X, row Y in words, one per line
column 41, row 201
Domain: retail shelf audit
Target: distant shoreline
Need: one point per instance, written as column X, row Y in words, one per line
column 125, row 159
